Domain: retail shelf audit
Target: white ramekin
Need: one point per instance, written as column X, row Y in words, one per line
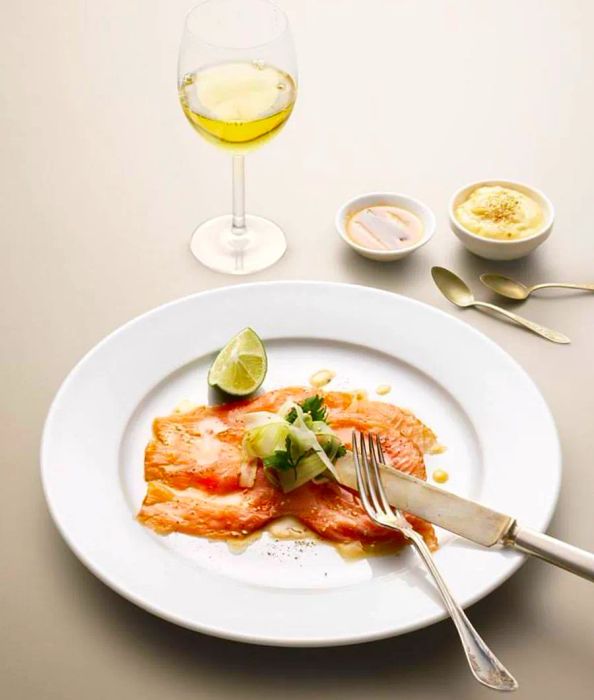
column 391, row 199
column 494, row 249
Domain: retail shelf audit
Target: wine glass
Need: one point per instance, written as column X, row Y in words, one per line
column 237, row 81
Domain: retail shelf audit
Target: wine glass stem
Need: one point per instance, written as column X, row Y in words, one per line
column 238, row 195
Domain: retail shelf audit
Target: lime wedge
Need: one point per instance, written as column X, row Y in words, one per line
column 241, row 366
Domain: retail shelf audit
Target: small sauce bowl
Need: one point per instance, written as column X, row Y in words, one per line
column 501, row 249
column 393, row 199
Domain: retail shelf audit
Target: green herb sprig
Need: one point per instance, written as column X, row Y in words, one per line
column 314, row 406
column 282, row 460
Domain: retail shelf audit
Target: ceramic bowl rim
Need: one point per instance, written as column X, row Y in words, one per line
column 548, row 211
column 427, row 217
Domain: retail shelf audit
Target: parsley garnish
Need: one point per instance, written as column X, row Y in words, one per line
column 332, row 446
column 281, row 459
column 294, row 456
column 314, row 405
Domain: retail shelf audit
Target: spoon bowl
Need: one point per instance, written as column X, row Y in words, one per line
column 457, row 292
column 505, row 286
column 512, row 289
column 452, row 287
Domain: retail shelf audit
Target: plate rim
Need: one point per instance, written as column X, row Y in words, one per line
column 512, row 565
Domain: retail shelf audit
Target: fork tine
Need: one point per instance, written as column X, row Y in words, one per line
column 375, row 477
column 380, row 451
column 402, row 521
column 368, row 469
column 362, row 482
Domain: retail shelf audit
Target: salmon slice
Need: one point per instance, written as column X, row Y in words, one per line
column 196, row 511
column 193, row 468
column 336, row 514
column 347, row 411
column 202, row 448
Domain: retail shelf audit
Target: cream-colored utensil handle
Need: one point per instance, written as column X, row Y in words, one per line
column 568, row 557
column 543, row 331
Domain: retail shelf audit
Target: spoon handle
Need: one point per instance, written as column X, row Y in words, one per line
column 563, row 285
column 543, row 331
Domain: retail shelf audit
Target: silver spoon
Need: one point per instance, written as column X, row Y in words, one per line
column 512, row 289
column 457, row 291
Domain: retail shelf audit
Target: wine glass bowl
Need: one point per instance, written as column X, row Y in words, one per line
column 237, row 83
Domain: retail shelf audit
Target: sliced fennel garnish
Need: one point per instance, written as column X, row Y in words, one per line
column 247, row 473
column 308, row 468
column 259, row 418
column 307, row 439
column 298, row 445
column 265, row 439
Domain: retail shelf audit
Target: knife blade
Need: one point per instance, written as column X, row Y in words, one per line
column 459, row 515
column 470, row 519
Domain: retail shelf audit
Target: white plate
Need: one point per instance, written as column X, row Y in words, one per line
column 451, row 376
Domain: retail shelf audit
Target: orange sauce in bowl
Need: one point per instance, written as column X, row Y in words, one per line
column 384, row 227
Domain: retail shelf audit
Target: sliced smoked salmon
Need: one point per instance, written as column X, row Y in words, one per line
column 193, row 467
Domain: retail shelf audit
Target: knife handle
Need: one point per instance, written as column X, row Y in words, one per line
column 568, row 557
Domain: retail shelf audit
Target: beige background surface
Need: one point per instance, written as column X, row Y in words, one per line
column 102, row 182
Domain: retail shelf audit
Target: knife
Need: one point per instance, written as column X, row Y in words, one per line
column 471, row 520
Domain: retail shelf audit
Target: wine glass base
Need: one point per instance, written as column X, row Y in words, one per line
column 216, row 246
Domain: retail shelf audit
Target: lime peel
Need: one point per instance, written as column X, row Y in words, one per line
column 240, row 367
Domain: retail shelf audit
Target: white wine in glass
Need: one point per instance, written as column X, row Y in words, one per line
column 237, row 83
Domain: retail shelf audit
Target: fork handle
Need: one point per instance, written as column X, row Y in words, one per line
column 485, row 666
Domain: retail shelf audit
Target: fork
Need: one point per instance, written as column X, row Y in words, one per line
column 485, row 666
